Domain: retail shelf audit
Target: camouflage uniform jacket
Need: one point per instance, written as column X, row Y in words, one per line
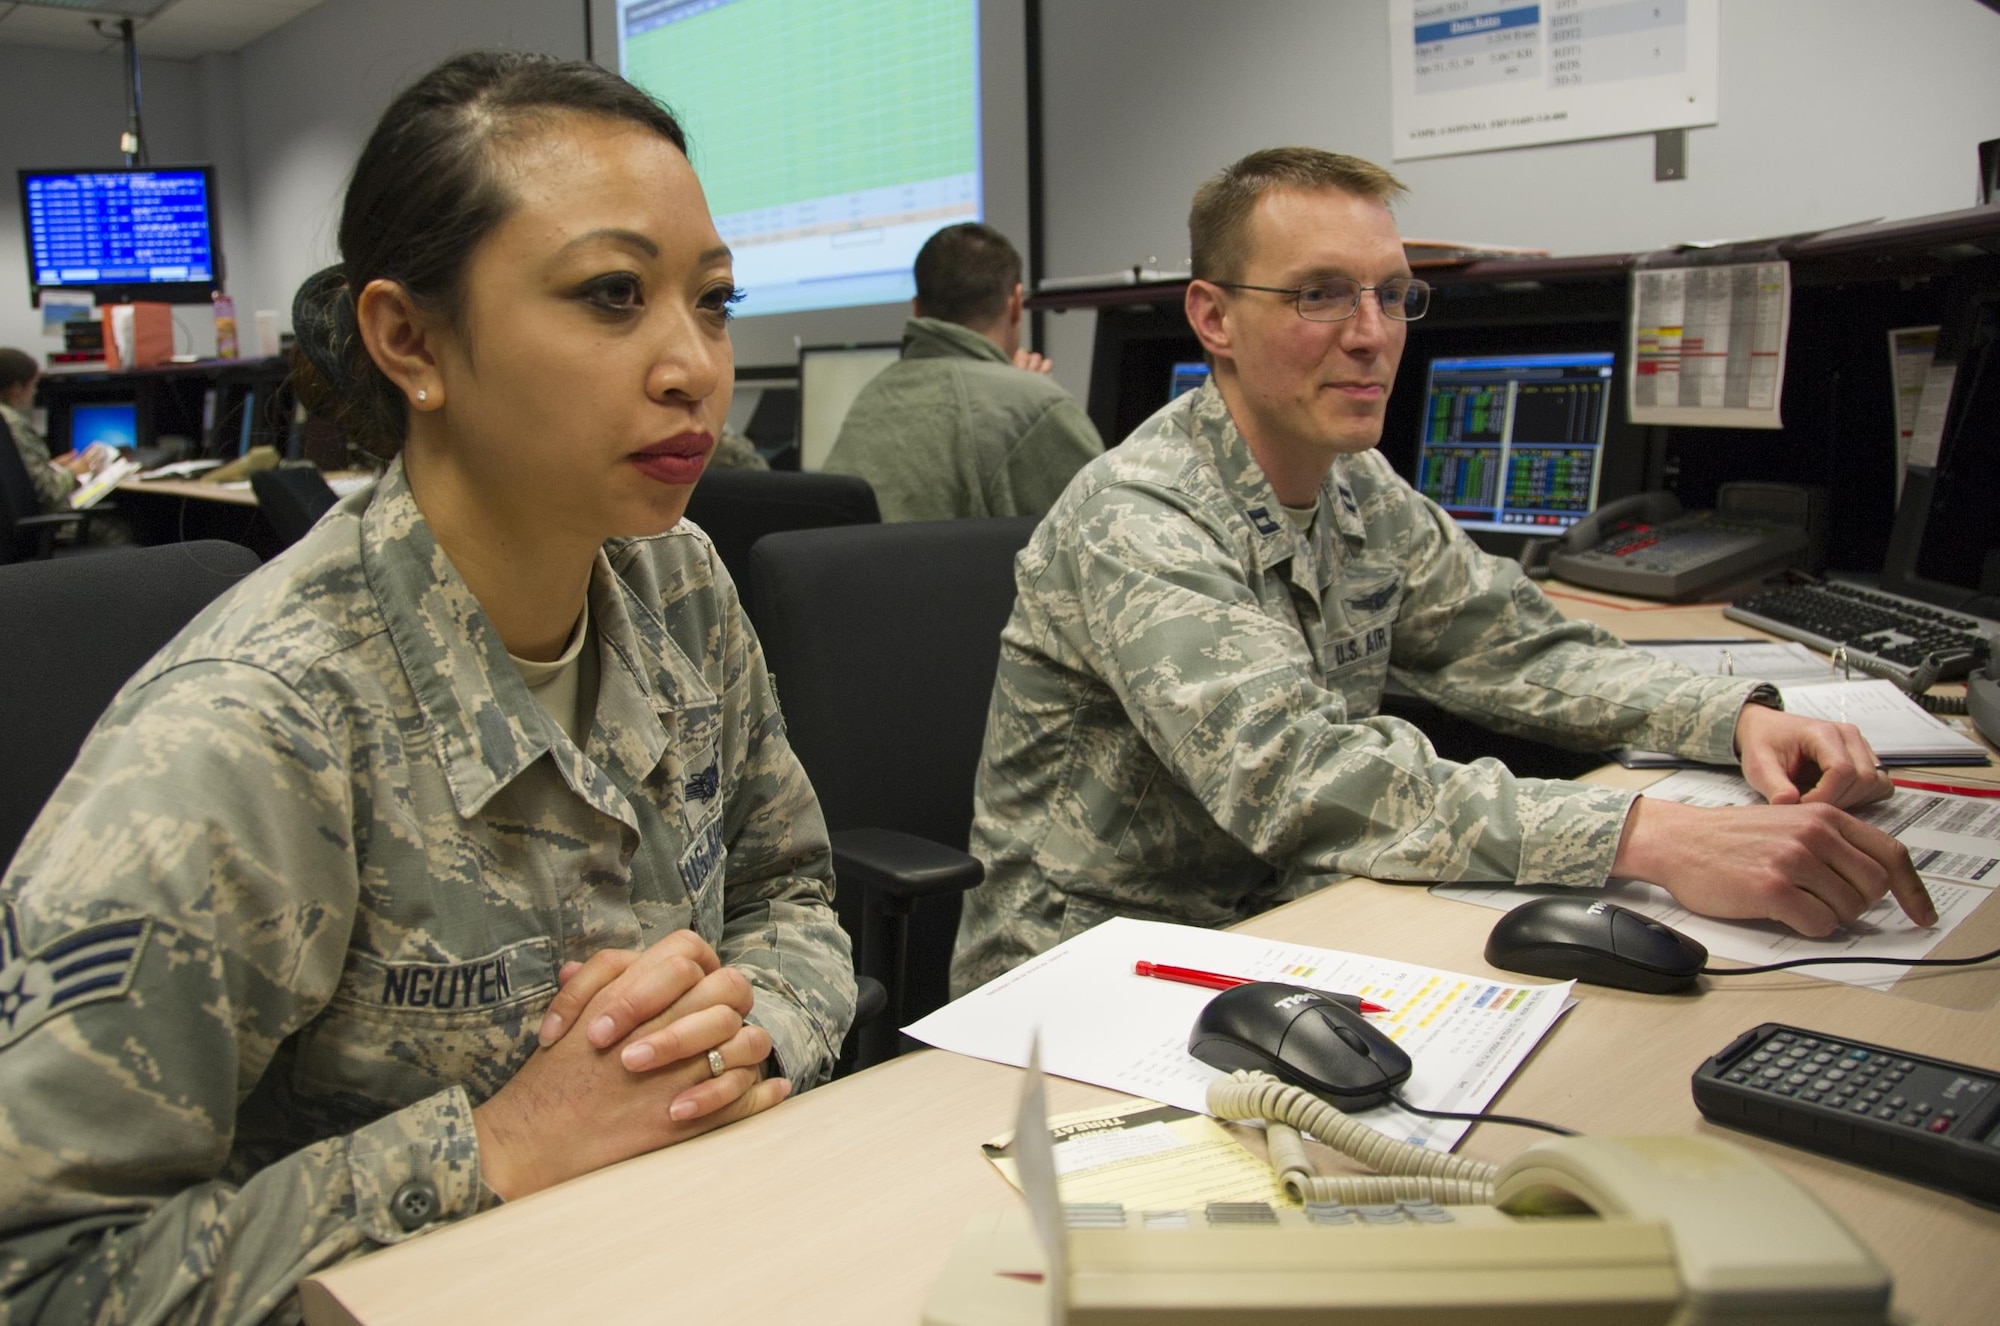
column 955, row 430
column 53, row 483
column 301, row 903
column 1184, row 726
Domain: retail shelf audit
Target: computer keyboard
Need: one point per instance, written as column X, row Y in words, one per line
column 1884, row 634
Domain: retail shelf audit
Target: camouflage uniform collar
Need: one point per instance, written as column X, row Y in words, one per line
column 473, row 701
column 934, row 338
column 1250, row 493
column 487, row 726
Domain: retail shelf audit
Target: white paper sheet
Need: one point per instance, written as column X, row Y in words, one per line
column 1101, row 1024
column 1953, row 840
column 1707, row 344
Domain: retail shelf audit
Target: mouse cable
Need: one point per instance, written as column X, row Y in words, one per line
column 1512, row 1119
column 1974, row 960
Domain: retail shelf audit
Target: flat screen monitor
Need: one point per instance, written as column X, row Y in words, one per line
column 1186, row 378
column 140, row 233
column 1515, row 443
column 1945, row 547
column 832, row 140
column 114, row 423
column 830, row 377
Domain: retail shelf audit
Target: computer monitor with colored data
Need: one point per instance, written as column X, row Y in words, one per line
column 1515, row 443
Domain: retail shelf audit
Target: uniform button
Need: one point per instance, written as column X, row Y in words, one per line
column 415, row 1204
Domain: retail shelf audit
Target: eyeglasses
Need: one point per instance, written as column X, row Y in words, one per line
column 1336, row 298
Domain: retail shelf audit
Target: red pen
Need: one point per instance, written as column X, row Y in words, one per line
column 1217, row 981
column 1955, row 789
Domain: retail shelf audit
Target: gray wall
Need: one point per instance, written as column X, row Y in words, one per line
column 313, row 89
column 1831, row 111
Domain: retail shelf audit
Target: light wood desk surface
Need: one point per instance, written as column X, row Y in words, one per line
column 842, row 1205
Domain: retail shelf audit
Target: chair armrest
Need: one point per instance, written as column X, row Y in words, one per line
column 53, row 520
column 871, row 1000
column 901, row 868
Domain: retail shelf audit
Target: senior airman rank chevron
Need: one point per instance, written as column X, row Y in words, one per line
column 78, row 968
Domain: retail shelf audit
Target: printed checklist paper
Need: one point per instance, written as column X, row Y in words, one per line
column 1953, row 842
column 1101, row 1024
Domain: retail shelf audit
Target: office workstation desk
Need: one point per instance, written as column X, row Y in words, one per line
column 843, row 1204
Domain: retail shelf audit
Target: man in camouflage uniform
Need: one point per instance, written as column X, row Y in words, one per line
column 303, row 902
column 1185, row 722
column 967, row 423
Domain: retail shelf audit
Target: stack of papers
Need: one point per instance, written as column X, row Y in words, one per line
column 1101, row 1024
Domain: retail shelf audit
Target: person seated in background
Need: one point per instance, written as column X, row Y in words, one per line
column 967, row 423
column 459, row 850
column 54, row 479
column 1185, row 725
column 735, row 451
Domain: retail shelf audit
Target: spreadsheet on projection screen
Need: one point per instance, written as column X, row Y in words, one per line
column 831, row 140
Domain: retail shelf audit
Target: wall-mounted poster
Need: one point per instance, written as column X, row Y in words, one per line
column 1475, row 75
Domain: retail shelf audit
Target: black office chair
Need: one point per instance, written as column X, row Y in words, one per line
column 739, row 507
column 75, row 631
column 883, row 641
column 26, row 533
column 292, row 498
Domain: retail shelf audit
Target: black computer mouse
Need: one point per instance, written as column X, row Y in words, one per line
column 1588, row 939
column 1300, row 1036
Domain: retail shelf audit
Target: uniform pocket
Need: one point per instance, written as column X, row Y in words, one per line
column 398, row 1032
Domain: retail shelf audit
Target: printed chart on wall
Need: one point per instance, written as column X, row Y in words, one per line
column 1476, row 75
column 1708, row 344
column 831, row 140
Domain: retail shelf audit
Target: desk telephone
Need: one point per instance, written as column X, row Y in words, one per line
column 1647, row 546
column 1674, row 1230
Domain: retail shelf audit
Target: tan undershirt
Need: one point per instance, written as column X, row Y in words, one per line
column 1302, row 516
column 566, row 687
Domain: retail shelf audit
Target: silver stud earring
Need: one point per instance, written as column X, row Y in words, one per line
column 422, row 395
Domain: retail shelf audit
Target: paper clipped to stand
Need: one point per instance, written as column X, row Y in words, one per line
column 1101, row 1024
column 1707, row 344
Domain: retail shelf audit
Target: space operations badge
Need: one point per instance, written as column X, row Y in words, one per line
column 81, row 967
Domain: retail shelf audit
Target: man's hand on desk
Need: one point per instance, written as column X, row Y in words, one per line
column 1791, row 758
column 637, row 1076
column 1813, row 867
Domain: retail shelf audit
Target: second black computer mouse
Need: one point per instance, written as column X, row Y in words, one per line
column 1598, row 942
column 1300, row 1036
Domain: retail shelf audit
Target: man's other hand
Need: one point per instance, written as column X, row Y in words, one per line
column 1792, row 759
column 1033, row 362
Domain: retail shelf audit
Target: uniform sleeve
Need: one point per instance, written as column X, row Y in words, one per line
column 778, row 920
column 1041, row 464
column 1477, row 637
column 1228, row 699
column 53, row 483
column 182, row 906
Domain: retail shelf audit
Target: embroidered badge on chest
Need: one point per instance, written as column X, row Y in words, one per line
column 1375, row 600
column 82, row 967
column 702, row 786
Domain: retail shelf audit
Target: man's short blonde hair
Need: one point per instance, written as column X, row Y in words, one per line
column 1219, row 221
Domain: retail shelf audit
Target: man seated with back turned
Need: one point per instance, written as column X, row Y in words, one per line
column 968, row 423
column 1184, row 726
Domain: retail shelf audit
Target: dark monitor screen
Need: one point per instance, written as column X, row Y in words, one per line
column 1515, row 443
column 140, row 233
column 1946, row 544
column 114, row 423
